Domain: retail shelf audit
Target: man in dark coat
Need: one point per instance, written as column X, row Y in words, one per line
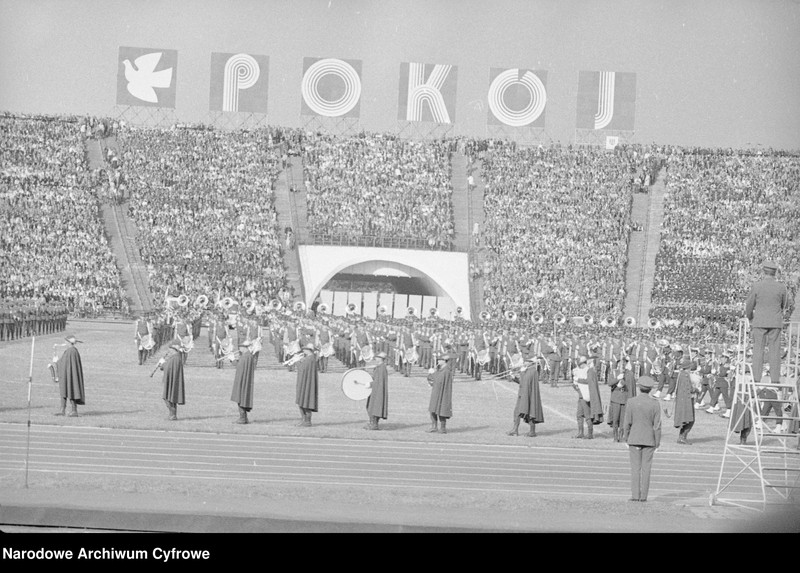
column 590, row 406
column 622, row 388
column 242, row 392
column 441, row 403
column 765, row 306
column 529, row 400
column 307, row 385
column 378, row 400
column 683, row 416
column 70, row 378
column 173, row 394
column 642, row 430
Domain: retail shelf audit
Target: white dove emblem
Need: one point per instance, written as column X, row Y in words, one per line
column 142, row 79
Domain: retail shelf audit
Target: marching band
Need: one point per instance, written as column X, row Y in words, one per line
column 602, row 353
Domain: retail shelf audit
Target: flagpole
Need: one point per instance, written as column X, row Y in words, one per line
column 30, row 384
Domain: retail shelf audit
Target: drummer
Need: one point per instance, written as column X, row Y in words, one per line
column 378, row 400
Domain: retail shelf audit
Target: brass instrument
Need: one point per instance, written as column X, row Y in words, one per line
column 294, row 359
column 559, row 318
column 201, row 301
column 538, row 318
column 510, row 316
column 630, row 322
column 52, row 365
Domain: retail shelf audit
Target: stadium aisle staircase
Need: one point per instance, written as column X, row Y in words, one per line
column 461, row 207
column 655, row 218
column 636, row 252
column 476, row 218
column 285, row 206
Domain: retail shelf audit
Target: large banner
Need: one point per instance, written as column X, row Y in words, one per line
column 239, row 82
column 517, row 97
column 606, row 100
column 331, row 87
column 427, row 92
column 147, row 77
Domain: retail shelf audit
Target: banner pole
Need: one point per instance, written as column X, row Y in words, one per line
column 30, row 384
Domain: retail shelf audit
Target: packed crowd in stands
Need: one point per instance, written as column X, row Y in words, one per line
column 202, row 201
column 554, row 240
column 725, row 212
column 556, row 229
column 395, row 191
column 53, row 246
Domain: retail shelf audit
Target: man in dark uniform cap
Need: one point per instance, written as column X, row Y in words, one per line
column 529, row 399
column 69, row 370
column 642, row 428
column 766, row 304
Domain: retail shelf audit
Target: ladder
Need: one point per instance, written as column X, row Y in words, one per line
column 765, row 470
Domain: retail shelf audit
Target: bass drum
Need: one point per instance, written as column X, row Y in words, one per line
column 356, row 384
column 147, row 343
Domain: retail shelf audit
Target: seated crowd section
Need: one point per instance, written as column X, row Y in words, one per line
column 725, row 212
column 556, row 229
column 203, row 204
column 557, row 219
column 53, row 248
column 379, row 190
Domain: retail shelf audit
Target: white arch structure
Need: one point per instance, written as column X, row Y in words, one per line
column 449, row 270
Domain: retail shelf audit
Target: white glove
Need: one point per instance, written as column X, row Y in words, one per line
column 431, row 370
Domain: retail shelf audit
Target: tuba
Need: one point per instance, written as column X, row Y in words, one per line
column 411, row 311
column 630, row 322
column 609, row 321
column 228, row 302
column 510, row 316
column 250, row 305
column 538, row 318
column 201, row 301
column 299, row 306
column 351, row 308
column 485, row 315
column 559, row 318
column 434, row 312
column 275, row 304
column 588, row 319
column 382, row 310
column 459, row 311
column 183, row 300
column 654, row 323
column 322, row 309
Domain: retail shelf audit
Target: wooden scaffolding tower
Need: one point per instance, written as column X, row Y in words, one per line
column 763, row 470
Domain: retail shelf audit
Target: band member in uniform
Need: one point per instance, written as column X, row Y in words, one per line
column 590, row 407
column 721, row 386
column 529, row 400
column 378, row 400
column 765, row 307
column 441, row 403
column 174, row 391
column 325, row 341
column 307, row 387
column 407, row 344
column 683, row 416
column 642, row 429
column 69, row 370
column 622, row 389
column 142, row 337
column 243, row 381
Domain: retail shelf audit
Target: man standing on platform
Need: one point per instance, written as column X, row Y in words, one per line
column 242, row 392
column 69, row 370
column 765, row 306
column 642, row 429
column 307, row 391
column 378, row 400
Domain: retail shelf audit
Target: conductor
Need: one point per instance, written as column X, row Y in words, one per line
column 766, row 304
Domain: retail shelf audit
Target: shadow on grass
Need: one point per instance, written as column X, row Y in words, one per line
column 90, row 413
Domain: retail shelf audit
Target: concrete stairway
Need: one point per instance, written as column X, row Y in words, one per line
column 122, row 234
column 461, row 205
column 476, row 218
column 286, row 207
column 648, row 210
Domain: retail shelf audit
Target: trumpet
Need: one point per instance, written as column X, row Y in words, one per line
column 294, row 359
